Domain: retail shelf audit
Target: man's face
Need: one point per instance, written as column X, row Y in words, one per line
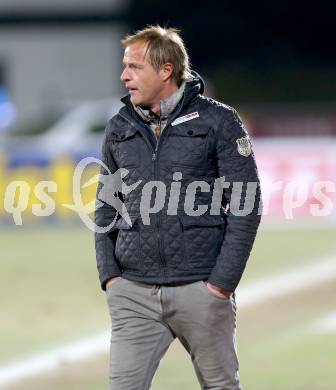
column 143, row 82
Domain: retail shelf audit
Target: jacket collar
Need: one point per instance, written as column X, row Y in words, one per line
column 167, row 106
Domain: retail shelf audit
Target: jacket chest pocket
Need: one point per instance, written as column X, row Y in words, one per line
column 125, row 145
column 186, row 145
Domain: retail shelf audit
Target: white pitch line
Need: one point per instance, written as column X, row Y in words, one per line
column 287, row 283
column 54, row 358
column 325, row 325
column 272, row 287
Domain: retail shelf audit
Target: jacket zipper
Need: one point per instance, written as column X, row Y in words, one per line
column 158, row 219
column 157, row 230
column 156, row 175
column 154, row 159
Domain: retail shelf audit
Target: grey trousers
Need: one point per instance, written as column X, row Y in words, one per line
column 147, row 318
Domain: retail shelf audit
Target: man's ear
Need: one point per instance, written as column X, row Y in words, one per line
column 166, row 71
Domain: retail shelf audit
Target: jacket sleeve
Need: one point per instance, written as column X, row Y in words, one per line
column 236, row 162
column 104, row 215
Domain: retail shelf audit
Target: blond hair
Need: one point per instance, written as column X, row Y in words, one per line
column 163, row 45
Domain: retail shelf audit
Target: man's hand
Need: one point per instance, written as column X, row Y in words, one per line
column 111, row 281
column 219, row 290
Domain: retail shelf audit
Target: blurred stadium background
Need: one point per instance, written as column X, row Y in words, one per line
column 59, row 83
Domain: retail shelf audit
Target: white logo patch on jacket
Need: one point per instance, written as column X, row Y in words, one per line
column 185, row 118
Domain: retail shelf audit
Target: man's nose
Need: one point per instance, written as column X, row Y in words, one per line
column 125, row 75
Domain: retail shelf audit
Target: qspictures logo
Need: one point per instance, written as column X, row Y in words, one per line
column 17, row 193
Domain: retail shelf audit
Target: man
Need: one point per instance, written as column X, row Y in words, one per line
column 170, row 267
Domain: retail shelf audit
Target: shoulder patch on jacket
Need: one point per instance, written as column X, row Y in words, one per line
column 244, row 146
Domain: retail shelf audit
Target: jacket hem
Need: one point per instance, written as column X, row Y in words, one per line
column 166, row 280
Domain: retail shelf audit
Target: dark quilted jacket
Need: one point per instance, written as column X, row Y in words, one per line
column 180, row 248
